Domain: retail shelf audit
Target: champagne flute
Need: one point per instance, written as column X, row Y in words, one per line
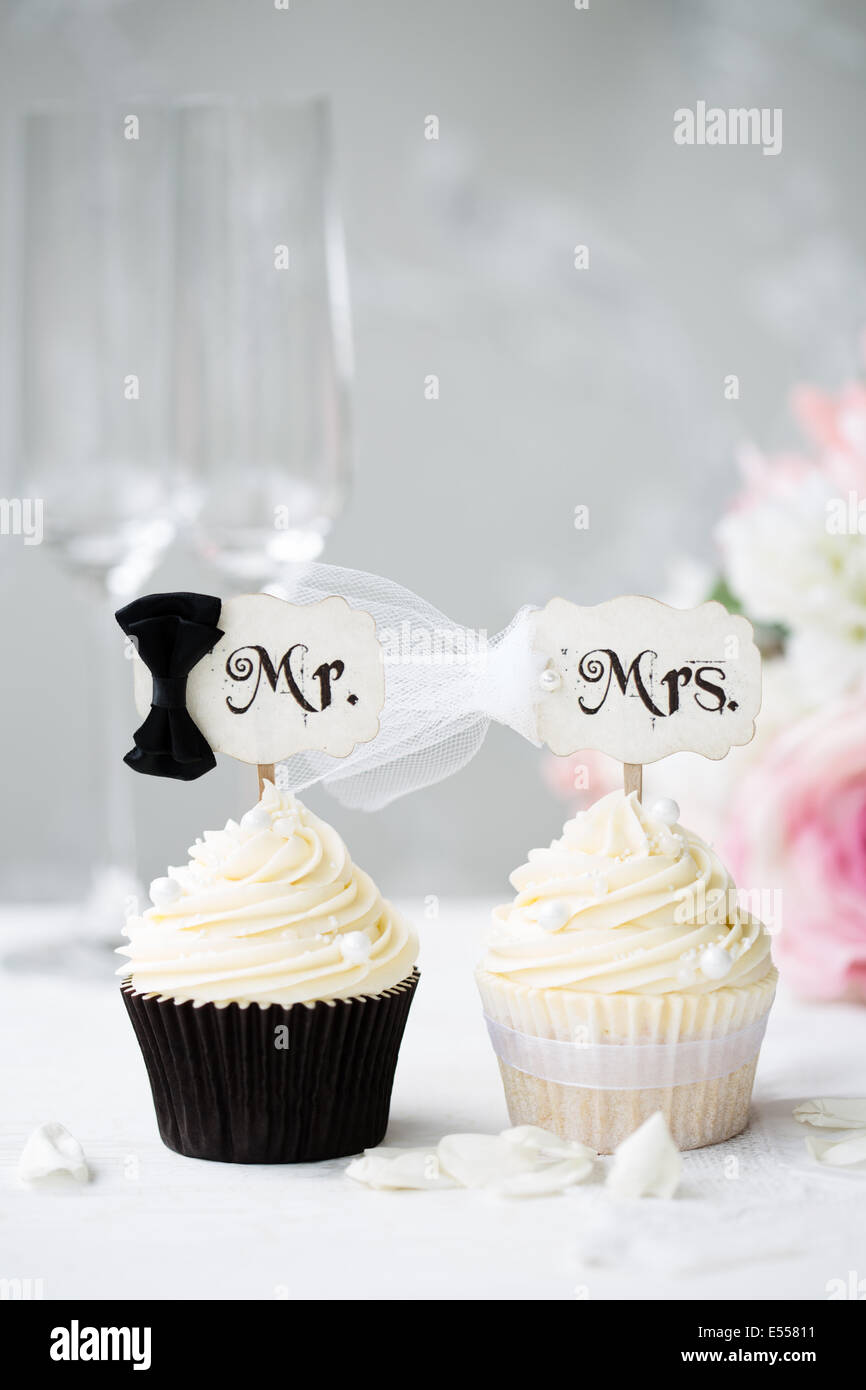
column 97, row 254
column 264, row 342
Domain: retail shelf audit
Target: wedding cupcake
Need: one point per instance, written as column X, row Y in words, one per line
column 268, row 987
column 625, row 979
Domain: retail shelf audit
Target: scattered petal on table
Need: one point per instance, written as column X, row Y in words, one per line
column 389, row 1168
column 51, row 1151
column 548, row 1145
column 482, row 1160
column 647, row 1164
column 839, row 1153
column 832, row 1113
column 521, row 1162
column 543, row 1181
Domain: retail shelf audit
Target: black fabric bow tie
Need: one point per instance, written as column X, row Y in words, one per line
column 172, row 632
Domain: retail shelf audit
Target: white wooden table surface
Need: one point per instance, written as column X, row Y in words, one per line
column 755, row 1218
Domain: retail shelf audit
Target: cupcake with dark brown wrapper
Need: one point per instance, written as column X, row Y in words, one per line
column 269, row 987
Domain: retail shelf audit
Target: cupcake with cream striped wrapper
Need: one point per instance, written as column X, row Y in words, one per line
column 624, row 979
column 269, row 986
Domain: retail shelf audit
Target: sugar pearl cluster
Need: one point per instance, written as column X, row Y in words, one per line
column 625, row 901
column 164, row 892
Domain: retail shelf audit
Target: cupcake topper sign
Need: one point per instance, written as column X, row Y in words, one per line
column 304, row 682
column 639, row 680
column 254, row 677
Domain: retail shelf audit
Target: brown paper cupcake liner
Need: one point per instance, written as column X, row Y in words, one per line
column 225, row 1089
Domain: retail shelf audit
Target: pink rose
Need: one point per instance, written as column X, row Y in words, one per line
column 798, row 823
column 769, row 479
column 836, row 424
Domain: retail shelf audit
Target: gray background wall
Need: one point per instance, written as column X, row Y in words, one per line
column 558, row 387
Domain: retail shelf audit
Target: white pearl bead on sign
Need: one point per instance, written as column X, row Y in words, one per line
column 666, row 810
column 164, row 892
column 715, row 962
column 553, row 916
column 550, row 679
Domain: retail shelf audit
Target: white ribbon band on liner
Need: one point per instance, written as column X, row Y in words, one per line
column 626, row 1066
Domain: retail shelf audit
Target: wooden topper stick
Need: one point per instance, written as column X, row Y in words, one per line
column 632, row 778
column 266, row 773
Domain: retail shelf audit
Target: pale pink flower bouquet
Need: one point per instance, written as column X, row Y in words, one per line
column 789, row 811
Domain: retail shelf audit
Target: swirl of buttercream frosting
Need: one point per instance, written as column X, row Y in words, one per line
column 268, row 911
column 626, row 902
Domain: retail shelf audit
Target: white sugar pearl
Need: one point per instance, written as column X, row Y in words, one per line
column 553, row 916
column 715, row 963
column 285, row 827
column 550, row 679
column 355, row 947
column 256, row 819
column 666, row 810
column 164, row 892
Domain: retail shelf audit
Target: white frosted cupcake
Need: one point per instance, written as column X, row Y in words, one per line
column 624, row 979
column 268, row 987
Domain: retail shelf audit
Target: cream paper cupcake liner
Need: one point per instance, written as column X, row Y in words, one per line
column 699, row 1112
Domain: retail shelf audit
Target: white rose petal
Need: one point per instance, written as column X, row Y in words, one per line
column 545, row 1180
column 390, row 1168
column 52, row 1151
column 478, row 1159
column 521, row 1162
column 648, row 1163
column 541, row 1141
column 832, row 1113
column 515, row 1162
column 839, row 1153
